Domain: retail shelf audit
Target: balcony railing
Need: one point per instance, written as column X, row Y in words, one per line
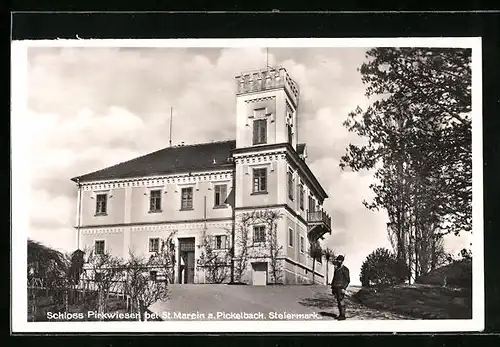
column 319, row 217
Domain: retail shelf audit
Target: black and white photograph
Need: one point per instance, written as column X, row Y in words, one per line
column 316, row 185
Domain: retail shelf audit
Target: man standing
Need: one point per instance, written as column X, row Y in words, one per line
column 340, row 282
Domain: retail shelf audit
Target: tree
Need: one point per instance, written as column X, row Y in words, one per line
column 315, row 252
column 76, row 264
column 418, row 142
column 329, row 255
column 164, row 259
column 381, row 267
column 47, row 268
column 108, row 272
column 143, row 290
column 274, row 249
column 241, row 248
column 46, row 263
column 214, row 260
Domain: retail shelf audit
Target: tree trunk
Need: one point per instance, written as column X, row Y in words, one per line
column 66, row 299
column 314, row 271
column 327, row 272
column 100, row 305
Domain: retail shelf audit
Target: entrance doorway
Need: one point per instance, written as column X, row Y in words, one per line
column 186, row 264
column 259, row 274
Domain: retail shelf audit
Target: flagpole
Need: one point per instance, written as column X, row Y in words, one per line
column 267, row 58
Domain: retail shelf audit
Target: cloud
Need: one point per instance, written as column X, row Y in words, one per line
column 90, row 108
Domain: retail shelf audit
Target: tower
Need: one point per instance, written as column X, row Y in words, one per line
column 266, row 143
column 266, row 108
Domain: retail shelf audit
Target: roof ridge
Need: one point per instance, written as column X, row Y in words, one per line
column 157, row 152
column 201, row 143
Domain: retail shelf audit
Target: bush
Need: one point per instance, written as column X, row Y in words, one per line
column 382, row 268
column 456, row 274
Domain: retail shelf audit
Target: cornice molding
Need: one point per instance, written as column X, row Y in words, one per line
column 158, row 227
column 264, row 98
column 208, row 221
column 259, row 157
column 158, row 181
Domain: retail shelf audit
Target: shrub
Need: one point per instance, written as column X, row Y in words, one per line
column 382, row 268
column 456, row 274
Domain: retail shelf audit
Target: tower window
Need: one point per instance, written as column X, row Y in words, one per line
column 220, row 242
column 259, row 131
column 290, row 185
column 301, row 196
column 312, row 204
column 259, row 233
column 259, row 180
column 290, row 135
column 155, row 201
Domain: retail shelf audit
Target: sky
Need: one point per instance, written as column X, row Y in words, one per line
column 93, row 107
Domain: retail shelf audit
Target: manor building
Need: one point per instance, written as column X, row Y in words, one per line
column 191, row 191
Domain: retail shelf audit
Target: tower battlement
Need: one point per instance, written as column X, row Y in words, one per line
column 267, row 79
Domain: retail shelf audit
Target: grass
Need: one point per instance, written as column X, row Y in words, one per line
column 425, row 301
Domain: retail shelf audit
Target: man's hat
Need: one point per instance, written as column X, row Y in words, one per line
column 340, row 258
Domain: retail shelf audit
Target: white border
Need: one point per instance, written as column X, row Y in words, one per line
column 20, row 188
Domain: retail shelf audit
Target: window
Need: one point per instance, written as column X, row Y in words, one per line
column 290, row 185
column 301, row 196
column 187, row 198
column 101, row 204
column 259, row 131
column 98, row 277
column 259, row 233
column 220, row 195
column 99, row 247
column 154, row 244
column 311, row 204
column 290, row 237
column 260, row 180
column 155, row 201
column 289, row 130
column 220, row 242
column 152, row 275
column 302, row 244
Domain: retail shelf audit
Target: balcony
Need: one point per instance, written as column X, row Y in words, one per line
column 319, row 223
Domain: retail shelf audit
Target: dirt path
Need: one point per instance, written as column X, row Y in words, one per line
column 209, row 299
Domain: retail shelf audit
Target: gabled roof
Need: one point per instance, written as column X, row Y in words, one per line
column 203, row 156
